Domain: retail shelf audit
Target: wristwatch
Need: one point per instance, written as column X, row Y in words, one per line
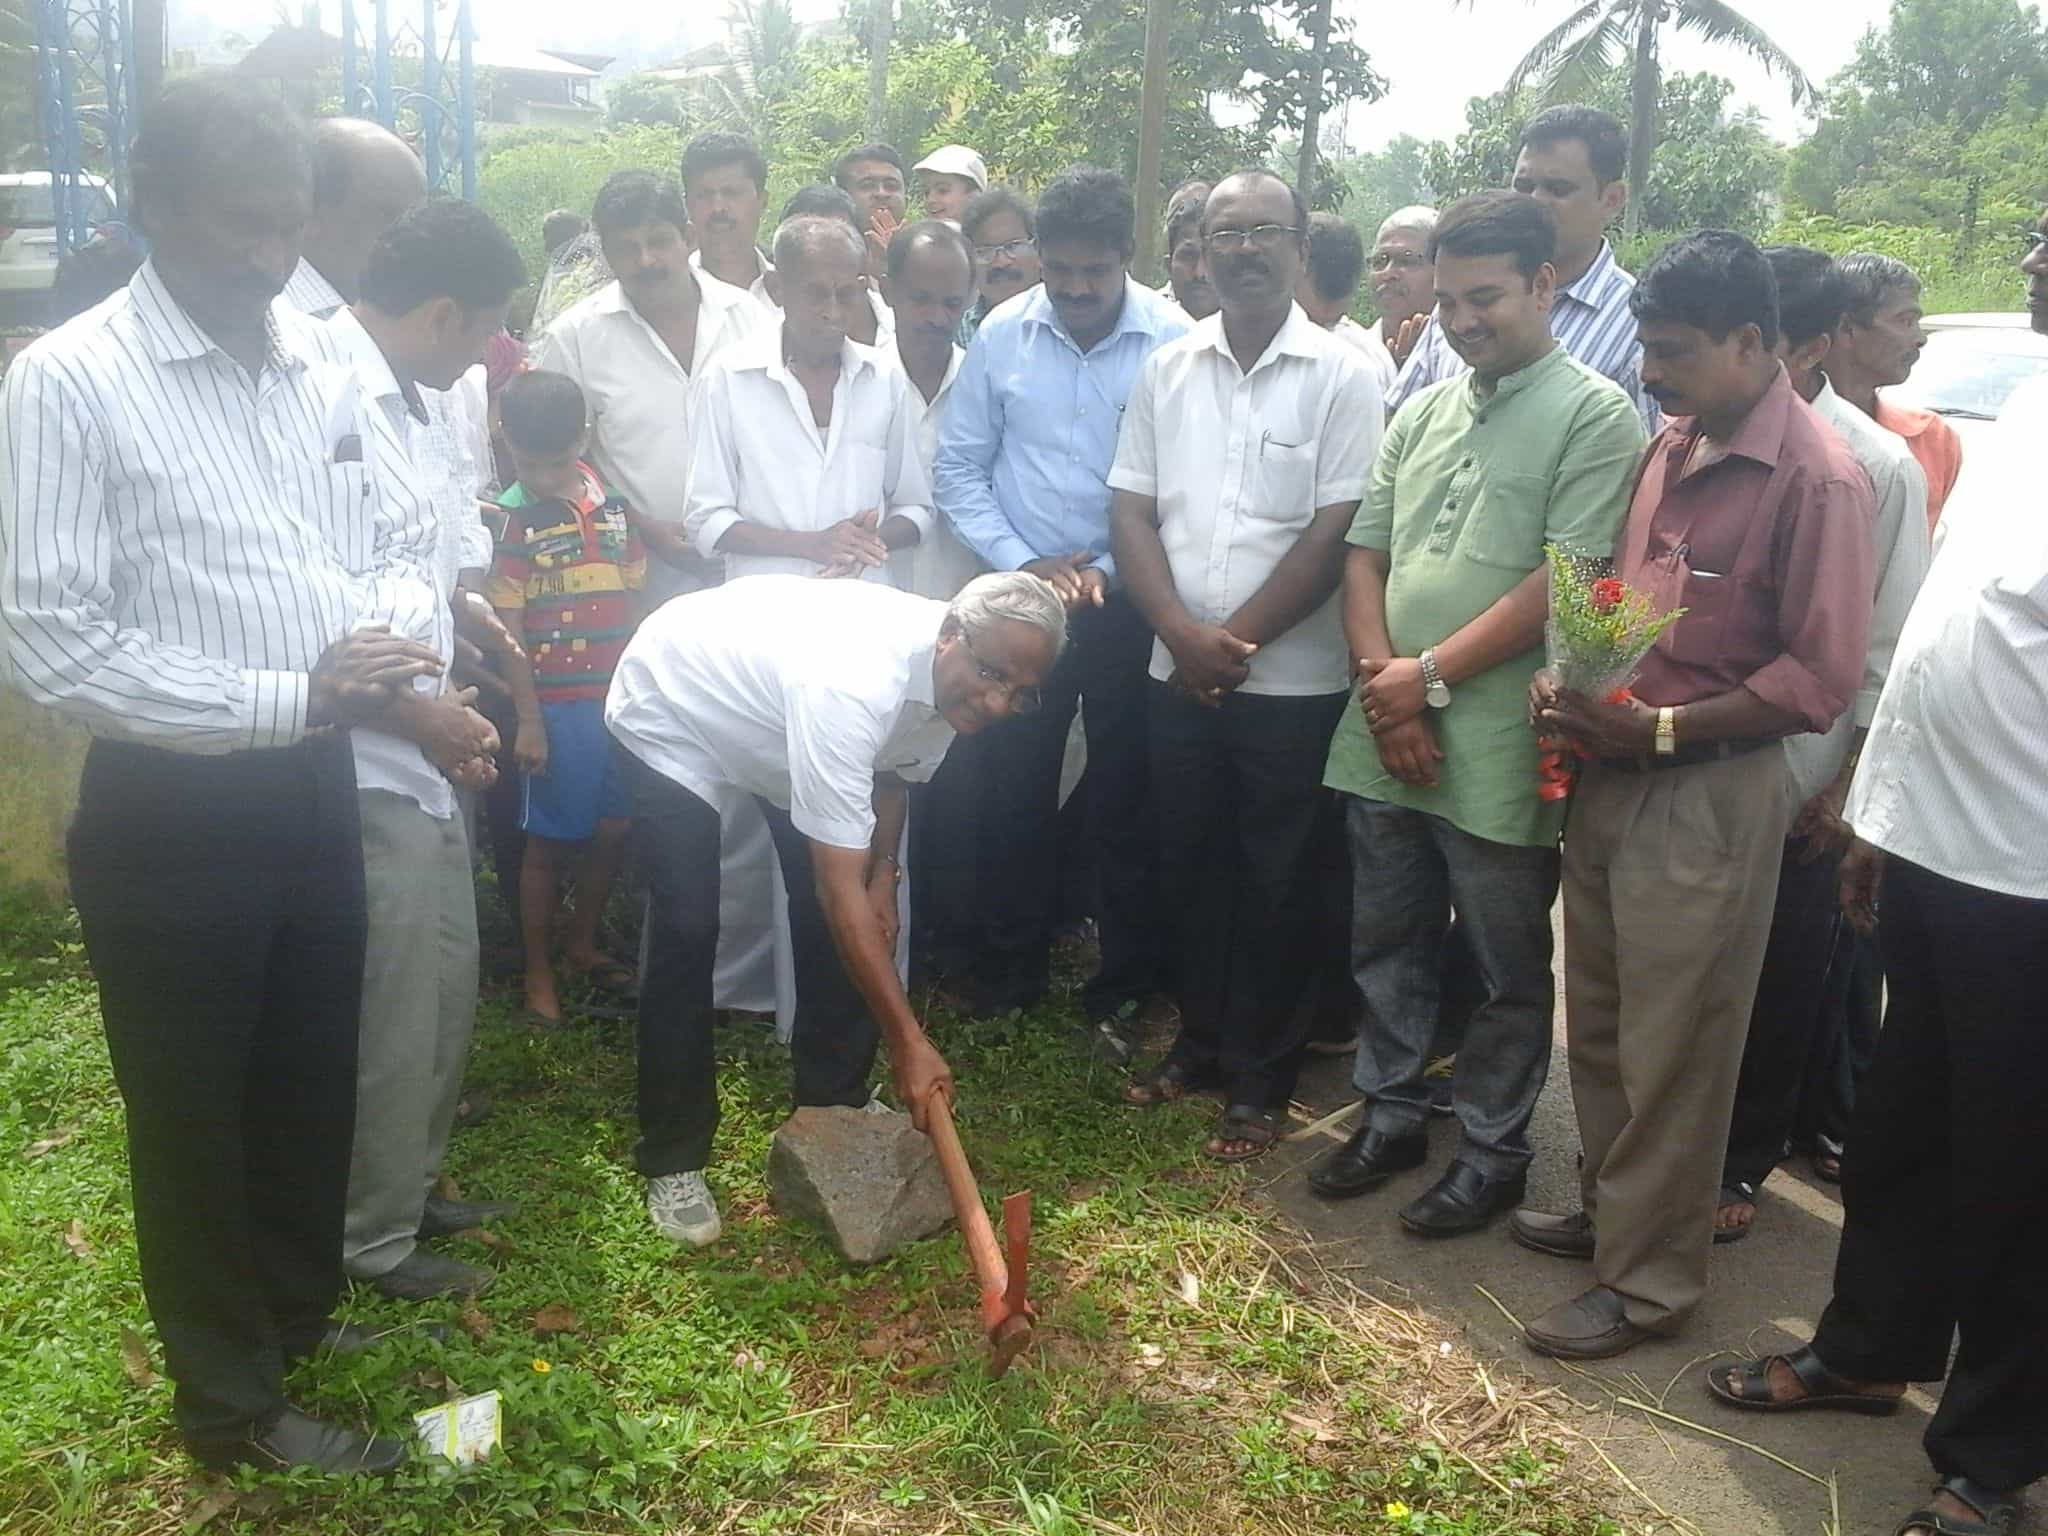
column 1436, row 693
column 1667, row 731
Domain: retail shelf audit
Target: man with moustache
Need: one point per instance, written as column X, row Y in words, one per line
column 179, row 476
column 1446, row 591
column 725, row 184
column 1243, row 456
column 1401, row 277
column 820, row 701
column 1005, row 255
column 1875, row 347
column 872, row 176
column 1575, row 160
column 634, row 346
column 1027, row 440
column 1753, row 517
column 1187, row 277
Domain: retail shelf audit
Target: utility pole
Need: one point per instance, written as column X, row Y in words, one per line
column 1151, row 128
column 881, row 22
column 1312, row 108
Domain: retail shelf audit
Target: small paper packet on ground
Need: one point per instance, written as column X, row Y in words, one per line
column 463, row 1431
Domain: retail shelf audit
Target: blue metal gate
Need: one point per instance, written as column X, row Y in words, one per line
column 85, row 104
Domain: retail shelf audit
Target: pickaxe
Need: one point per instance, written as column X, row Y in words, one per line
column 1005, row 1310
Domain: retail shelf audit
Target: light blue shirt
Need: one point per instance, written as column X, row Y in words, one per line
column 1031, row 429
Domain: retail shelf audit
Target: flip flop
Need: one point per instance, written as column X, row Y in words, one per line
column 1748, row 1387
column 614, row 977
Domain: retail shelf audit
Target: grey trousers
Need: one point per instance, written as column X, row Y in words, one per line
column 1408, row 870
column 1670, row 878
column 419, row 1005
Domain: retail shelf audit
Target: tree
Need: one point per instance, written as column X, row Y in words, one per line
column 1714, row 169
column 645, row 99
column 1600, row 35
column 1939, row 112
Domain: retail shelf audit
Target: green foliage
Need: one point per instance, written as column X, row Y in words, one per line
column 1713, row 169
column 646, row 100
column 1937, row 116
column 521, row 184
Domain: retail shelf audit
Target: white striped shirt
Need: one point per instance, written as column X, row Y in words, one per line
column 1591, row 320
column 311, row 294
column 1954, row 775
column 173, row 533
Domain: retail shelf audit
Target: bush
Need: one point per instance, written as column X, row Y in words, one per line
column 523, row 182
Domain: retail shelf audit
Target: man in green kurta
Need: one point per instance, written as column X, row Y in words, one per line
column 1445, row 595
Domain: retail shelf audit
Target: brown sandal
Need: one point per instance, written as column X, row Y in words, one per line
column 1258, row 1129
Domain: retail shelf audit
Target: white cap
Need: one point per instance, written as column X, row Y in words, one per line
column 955, row 160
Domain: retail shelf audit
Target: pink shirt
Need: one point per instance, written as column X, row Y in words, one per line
column 1769, row 550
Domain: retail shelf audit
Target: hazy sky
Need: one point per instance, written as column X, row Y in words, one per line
column 1434, row 53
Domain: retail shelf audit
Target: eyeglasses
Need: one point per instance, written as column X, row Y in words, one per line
column 1267, row 237
column 1380, row 261
column 1023, row 701
column 1016, row 250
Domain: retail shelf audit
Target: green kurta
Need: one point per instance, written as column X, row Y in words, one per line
column 1467, row 490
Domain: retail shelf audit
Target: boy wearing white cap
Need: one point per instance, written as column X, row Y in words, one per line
column 950, row 176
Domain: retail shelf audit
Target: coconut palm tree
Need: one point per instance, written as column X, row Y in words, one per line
column 1594, row 39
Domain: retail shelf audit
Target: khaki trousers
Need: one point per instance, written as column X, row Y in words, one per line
column 1669, row 880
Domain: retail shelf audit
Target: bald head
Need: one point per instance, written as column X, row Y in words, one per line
column 364, row 177
column 818, row 261
column 808, row 238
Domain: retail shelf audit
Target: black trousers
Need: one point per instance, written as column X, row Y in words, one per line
column 948, row 928
column 1242, row 813
column 1103, row 668
column 835, row 1037
column 1786, row 1020
column 1851, row 1015
column 221, row 900
column 1945, row 1185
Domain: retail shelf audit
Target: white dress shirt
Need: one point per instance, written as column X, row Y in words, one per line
column 1900, row 538
column 171, row 529
column 938, row 565
column 796, row 690
column 758, row 455
column 1954, row 775
column 311, row 294
column 639, row 393
column 417, row 478
column 1367, row 339
column 1238, row 463
column 758, row 287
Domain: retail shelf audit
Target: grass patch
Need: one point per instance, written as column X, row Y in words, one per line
column 1191, row 1373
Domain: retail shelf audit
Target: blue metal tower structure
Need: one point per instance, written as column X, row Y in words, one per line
column 86, row 100
column 439, row 113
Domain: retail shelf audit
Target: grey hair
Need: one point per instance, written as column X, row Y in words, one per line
column 1866, row 277
column 1016, row 596
column 1416, row 216
column 797, row 237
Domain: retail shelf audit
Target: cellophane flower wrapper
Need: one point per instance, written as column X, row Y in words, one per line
column 1594, row 641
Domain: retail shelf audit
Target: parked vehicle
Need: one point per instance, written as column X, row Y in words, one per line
column 28, row 240
column 1970, row 366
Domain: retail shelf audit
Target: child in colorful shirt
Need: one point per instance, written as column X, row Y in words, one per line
column 566, row 580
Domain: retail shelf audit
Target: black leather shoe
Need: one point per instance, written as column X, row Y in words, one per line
column 1564, row 1237
column 295, row 1439
column 443, row 1217
column 423, row 1274
column 1593, row 1325
column 1463, row 1200
column 1366, row 1162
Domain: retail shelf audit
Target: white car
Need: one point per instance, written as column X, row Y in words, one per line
column 28, row 229
column 1970, row 365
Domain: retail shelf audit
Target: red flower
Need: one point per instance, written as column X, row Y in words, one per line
column 1607, row 594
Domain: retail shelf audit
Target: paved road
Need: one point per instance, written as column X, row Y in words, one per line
column 1767, row 1291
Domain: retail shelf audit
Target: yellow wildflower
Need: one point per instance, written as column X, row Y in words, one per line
column 541, row 1367
column 1397, row 1511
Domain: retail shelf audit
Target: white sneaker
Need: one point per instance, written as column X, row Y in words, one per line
column 681, row 1207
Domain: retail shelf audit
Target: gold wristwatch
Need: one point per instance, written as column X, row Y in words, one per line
column 1667, row 731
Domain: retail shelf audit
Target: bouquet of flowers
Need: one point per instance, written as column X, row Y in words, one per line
column 1598, row 633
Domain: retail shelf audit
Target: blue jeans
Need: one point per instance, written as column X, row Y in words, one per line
column 1409, row 869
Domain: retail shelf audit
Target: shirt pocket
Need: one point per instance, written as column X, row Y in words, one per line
column 1285, row 480
column 1710, row 601
column 346, row 513
column 1504, row 527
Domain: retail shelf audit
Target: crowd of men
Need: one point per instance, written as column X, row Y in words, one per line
column 899, row 593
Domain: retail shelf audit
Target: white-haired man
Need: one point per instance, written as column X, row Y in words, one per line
column 822, row 701
column 1403, row 281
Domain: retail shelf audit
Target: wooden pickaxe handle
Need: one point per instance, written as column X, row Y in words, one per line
column 983, row 1252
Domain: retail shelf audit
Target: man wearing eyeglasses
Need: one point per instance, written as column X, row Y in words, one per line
column 821, row 701
column 1029, row 436
column 1243, row 456
column 1402, row 281
column 1005, row 254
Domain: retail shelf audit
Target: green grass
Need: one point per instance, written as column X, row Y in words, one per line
column 761, row 1386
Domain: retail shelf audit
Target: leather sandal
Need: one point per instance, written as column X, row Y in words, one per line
column 1748, row 1386
column 1996, row 1513
column 1259, row 1130
column 1735, row 1194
